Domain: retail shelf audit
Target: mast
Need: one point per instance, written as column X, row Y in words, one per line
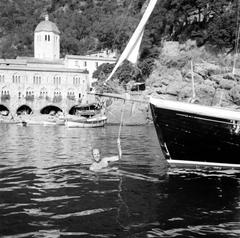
column 193, row 85
column 237, row 41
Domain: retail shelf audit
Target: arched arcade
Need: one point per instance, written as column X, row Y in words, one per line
column 50, row 109
column 4, row 111
column 24, row 110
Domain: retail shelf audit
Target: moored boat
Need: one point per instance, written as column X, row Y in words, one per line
column 86, row 115
column 189, row 134
column 38, row 122
column 197, row 135
column 85, row 110
column 95, row 121
column 44, row 120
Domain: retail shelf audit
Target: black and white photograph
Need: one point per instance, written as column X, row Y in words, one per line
column 120, row 118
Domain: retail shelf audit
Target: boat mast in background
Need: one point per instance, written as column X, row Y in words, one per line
column 237, row 41
column 193, row 85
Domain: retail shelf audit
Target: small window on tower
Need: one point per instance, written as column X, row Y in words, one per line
column 45, row 37
column 48, row 37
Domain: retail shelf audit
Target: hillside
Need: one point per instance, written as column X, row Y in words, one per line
column 85, row 26
column 91, row 25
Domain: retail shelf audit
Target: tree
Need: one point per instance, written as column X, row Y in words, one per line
column 102, row 72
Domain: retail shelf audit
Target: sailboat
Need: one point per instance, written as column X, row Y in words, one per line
column 189, row 134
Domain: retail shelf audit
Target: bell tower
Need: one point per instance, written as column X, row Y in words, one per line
column 47, row 40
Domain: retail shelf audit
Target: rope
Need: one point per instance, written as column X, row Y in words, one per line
column 121, row 120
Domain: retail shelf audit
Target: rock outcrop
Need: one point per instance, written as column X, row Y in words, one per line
column 210, row 78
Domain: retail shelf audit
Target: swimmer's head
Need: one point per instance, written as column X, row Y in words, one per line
column 96, row 154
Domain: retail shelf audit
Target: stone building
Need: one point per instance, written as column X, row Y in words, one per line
column 89, row 62
column 46, row 80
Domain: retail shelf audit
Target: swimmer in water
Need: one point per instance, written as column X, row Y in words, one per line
column 100, row 164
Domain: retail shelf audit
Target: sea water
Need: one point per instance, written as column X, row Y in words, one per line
column 46, row 189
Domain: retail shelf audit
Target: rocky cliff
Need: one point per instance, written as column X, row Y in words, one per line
column 183, row 71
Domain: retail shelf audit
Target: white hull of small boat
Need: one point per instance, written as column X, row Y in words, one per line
column 49, row 123
column 88, row 123
column 44, row 123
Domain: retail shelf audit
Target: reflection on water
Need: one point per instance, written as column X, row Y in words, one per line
column 46, row 189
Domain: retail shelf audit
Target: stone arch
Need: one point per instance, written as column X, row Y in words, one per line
column 73, row 110
column 50, row 109
column 4, row 111
column 88, row 109
column 24, row 110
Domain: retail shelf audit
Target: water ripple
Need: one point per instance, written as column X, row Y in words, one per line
column 82, row 213
column 47, row 190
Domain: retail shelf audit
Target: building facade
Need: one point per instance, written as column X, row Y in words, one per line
column 46, row 79
column 88, row 62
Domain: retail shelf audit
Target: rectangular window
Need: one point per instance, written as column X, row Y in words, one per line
column 48, row 37
column 45, row 37
column 85, row 63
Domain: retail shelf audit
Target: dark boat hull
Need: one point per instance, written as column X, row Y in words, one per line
column 185, row 136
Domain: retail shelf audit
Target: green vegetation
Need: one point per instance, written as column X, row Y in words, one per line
column 91, row 25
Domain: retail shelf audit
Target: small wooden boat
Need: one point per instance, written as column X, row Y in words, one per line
column 86, row 115
column 8, row 122
column 86, row 110
column 95, row 121
column 60, row 121
column 44, row 120
column 7, row 119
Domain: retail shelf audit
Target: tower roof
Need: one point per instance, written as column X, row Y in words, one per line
column 48, row 26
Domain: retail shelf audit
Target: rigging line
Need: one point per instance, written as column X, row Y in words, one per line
column 121, row 120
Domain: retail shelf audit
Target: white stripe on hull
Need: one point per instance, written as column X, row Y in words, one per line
column 199, row 163
column 208, row 111
column 72, row 124
column 44, row 123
